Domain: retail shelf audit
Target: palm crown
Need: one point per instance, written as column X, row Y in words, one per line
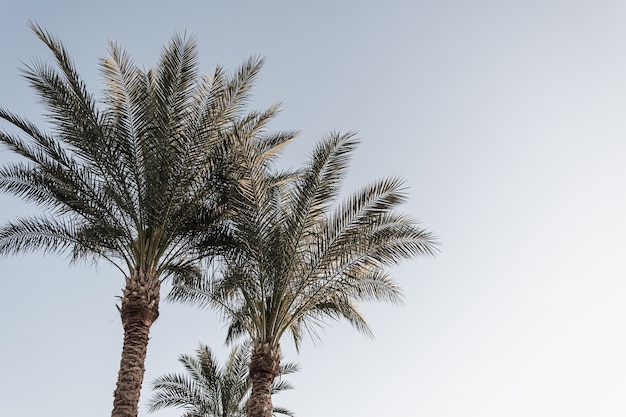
column 129, row 183
column 209, row 390
column 302, row 258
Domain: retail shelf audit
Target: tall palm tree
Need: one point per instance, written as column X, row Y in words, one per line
column 209, row 390
column 304, row 258
column 138, row 178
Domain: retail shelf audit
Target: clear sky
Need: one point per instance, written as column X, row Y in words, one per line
column 507, row 118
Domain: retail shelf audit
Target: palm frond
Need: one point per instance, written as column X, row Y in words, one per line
column 37, row 233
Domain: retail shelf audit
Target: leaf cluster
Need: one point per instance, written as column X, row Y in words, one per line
column 142, row 177
column 303, row 256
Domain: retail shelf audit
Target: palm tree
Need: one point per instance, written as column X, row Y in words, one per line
column 304, row 259
column 137, row 179
column 209, row 390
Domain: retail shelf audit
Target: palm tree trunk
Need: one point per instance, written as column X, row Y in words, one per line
column 264, row 367
column 140, row 308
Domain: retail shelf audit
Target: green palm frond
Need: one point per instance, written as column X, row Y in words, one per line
column 71, row 108
column 28, row 233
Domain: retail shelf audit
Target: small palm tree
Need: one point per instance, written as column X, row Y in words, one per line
column 209, row 390
column 138, row 179
column 303, row 258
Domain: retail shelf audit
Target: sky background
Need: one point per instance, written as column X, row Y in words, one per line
column 507, row 119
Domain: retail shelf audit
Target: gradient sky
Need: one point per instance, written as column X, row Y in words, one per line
column 507, row 119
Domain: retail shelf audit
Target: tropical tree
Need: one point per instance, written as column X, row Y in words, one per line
column 304, row 258
column 209, row 390
column 138, row 178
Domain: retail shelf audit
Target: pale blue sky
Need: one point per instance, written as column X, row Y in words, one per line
column 507, row 119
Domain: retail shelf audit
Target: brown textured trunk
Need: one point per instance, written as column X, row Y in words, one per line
column 140, row 308
column 264, row 367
